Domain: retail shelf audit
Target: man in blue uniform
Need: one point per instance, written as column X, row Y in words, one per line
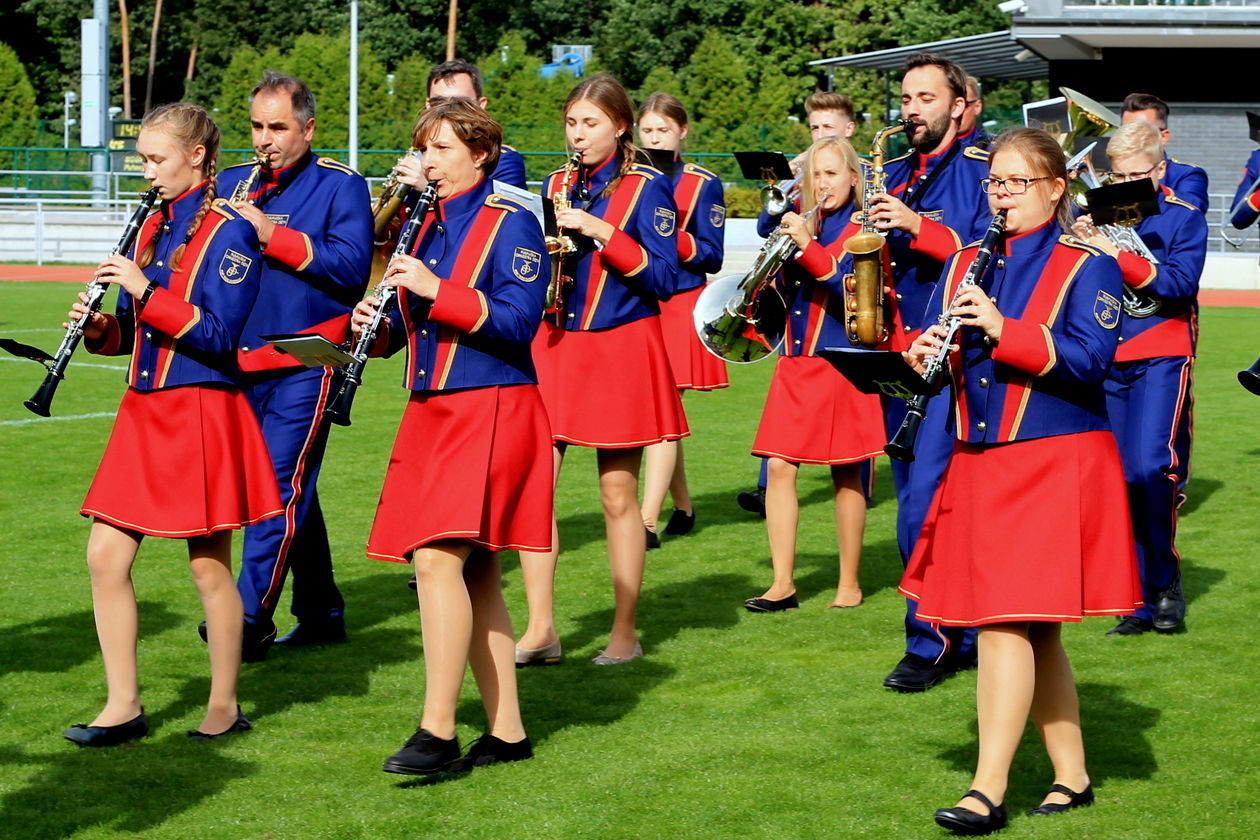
column 969, row 131
column 314, row 221
column 931, row 207
column 1148, row 386
column 1246, row 206
column 458, row 79
column 1188, row 181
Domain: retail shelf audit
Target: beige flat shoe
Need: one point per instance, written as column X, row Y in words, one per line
column 549, row 655
column 605, row 659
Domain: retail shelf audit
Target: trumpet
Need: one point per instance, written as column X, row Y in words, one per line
column 733, row 314
column 41, row 402
column 561, row 244
column 901, row 447
column 246, row 185
column 338, row 409
column 777, row 199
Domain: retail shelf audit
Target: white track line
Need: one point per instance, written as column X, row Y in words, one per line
column 30, row 420
column 72, row 364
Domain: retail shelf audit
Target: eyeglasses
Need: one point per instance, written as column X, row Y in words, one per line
column 1014, row 186
column 1121, row 177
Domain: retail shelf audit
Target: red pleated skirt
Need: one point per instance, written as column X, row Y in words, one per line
column 694, row 368
column 1035, row 530
column 611, row 389
column 184, row 462
column 472, row 465
column 813, row 415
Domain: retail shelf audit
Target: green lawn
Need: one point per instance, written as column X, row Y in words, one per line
column 733, row 725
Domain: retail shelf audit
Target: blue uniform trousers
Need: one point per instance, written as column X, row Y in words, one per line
column 1150, row 406
column 290, row 408
column 916, row 484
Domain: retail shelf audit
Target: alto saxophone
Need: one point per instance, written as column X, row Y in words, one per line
column 560, row 245
column 866, row 320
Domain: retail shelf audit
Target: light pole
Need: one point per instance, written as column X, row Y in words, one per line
column 353, row 140
column 68, row 99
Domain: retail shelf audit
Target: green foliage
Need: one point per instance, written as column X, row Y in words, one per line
column 660, row 80
column 743, row 202
column 17, row 101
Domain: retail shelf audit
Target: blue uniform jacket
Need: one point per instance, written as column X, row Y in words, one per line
column 1178, row 239
column 1189, row 182
column 625, row 280
column 701, row 203
column 489, row 252
column 954, row 209
column 510, row 168
column 1061, row 303
column 813, row 288
column 315, row 267
column 1246, row 206
column 188, row 331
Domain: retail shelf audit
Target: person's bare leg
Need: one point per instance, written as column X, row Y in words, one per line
column 678, row 490
column 210, row 561
column 661, row 458
column 111, row 551
column 1056, row 710
column 538, row 573
column 782, row 513
column 491, row 653
column 850, row 527
column 446, row 628
column 618, row 489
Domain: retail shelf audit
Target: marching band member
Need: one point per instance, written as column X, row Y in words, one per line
column 931, row 207
column 1148, row 385
column 314, row 221
column 969, row 131
column 701, row 219
column 186, row 458
column 470, row 474
column 1246, row 206
column 1035, row 451
column 1188, row 181
column 602, row 367
column 813, row 415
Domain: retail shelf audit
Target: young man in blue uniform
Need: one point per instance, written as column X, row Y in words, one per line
column 314, row 221
column 458, row 79
column 969, row 131
column 932, row 206
column 1188, row 181
column 1148, row 385
column 1246, row 206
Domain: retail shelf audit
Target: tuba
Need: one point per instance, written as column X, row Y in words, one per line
column 866, row 316
column 560, row 244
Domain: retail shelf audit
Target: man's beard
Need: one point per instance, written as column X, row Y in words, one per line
column 933, row 134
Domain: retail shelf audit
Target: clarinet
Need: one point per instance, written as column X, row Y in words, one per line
column 901, row 447
column 338, row 410
column 42, row 401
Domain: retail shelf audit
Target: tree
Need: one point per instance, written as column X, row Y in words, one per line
column 17, row 101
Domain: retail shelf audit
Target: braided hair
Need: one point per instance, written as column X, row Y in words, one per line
column 607, row 94
column 190, row 126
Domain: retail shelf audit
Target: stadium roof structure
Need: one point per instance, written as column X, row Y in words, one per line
column 992, row 55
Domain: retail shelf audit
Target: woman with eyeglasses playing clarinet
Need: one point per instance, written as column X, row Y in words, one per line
column 602, row 367
column 1030, row 526
column 470, row 474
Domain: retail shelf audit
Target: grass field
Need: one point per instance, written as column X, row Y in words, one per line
column 733, row 725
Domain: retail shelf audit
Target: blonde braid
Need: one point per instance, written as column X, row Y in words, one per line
column 207, row 201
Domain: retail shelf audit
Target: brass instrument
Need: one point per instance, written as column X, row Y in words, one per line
column 866, row 310
column 385, row 208
column 559, row 245
column 1136, row 304
column 246, row 185
column 733, row 314
column 1250, row 378
column 778, row 198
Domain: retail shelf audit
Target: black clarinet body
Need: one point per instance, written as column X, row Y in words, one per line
column 901, row 447
column 41, row 403
column 338, row 409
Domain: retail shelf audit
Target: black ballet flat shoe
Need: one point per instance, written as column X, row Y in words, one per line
column 315, row 632
column 1075, row 800
column 653, row 541
column 241, row 724
column 424, row 753
column 764, row 605
column 488, row 750
column 965, row 821
column 108, row 736
column 680, row 522
column 412, row 583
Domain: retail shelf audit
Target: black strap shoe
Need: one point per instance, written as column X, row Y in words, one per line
column 1170, row 607
column 762, row 605
column 653, row 541
column 424, row 753
column 753, row 501
column 1075, row 800
column 488, row 750
column 966, row 821
column 1131, row 625
column 256, row 640
column 680, row 522
column 108, row 736
column 315, row 632
column 915, row 673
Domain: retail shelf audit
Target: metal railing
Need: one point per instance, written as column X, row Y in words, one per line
column 1161, row 3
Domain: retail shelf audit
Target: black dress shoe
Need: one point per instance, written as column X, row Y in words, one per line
column 916, row 673
column 1075, row 800
column 412, row 582
column 653, row 541
column 753, row 501
column 966, row 821
column 256, row 640
column 315, row 632
column 762, row 605
column 1170, row 607
column 108, row 736
column 241, row 724
column 424, row 753
column 680, row 522
column 488, row 750
column 1131, row 625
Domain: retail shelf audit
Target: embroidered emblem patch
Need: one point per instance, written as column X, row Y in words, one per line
column 717, row 215
column 894, row 389
column 1107, row 310
column 234, row 266
column 281, row 219
column 663, row 221
column 933, row 215
column 525, row 264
